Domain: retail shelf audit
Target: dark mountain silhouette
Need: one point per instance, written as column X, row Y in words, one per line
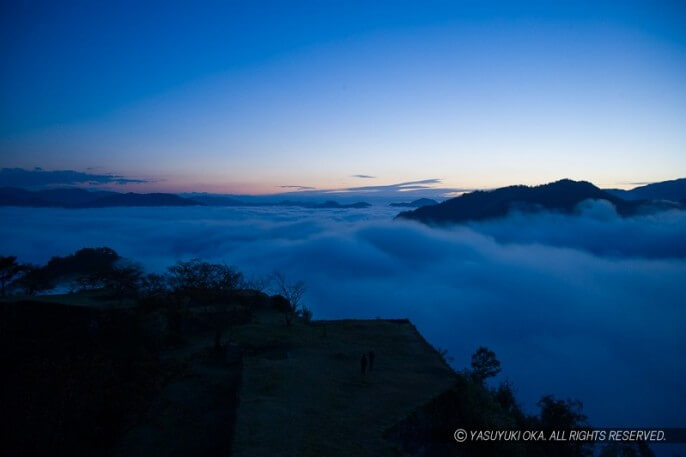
column 53, row 197
column 329, row 204
column 674, row 190
column 131, row 199
column 11, row 196
column 219, row 200
column 80, row 198
column 415, row 204
column 72, row 196
column 560, row 196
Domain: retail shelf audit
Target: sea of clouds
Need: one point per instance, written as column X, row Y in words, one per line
column 586, row 306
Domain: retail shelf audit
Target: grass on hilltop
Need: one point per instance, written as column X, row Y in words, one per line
column 302, row 392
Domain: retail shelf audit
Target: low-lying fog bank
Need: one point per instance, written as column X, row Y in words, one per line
column 587, row 306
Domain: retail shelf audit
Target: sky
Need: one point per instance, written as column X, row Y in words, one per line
column 248, row 97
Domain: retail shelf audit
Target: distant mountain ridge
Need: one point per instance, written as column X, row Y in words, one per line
column 132, row 199
column 415, row 203
column 220, row 200
column 673, row 190
column 562, row 196
column 81, row 198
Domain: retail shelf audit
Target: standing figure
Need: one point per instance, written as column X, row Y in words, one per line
column 371, row 360
column 363, row 364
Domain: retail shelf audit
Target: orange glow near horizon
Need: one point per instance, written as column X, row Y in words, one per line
column 219, row 185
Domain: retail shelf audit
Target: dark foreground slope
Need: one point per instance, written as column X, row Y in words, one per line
column 73, row 377
column 562, row 196
column 109, row 378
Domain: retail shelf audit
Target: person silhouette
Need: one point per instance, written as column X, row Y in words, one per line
column 371, row 360
column 363, row 364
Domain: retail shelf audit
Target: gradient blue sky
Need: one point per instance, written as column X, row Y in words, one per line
column 246, row 97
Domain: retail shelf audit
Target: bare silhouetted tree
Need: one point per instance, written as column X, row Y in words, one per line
column 292, row 293
column 203, row 281
column 209, row 284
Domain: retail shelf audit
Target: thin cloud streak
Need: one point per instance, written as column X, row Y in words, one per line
column 426, row 186
column 297, row 187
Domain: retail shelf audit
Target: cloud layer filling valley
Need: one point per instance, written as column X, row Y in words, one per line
column 587, row 306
